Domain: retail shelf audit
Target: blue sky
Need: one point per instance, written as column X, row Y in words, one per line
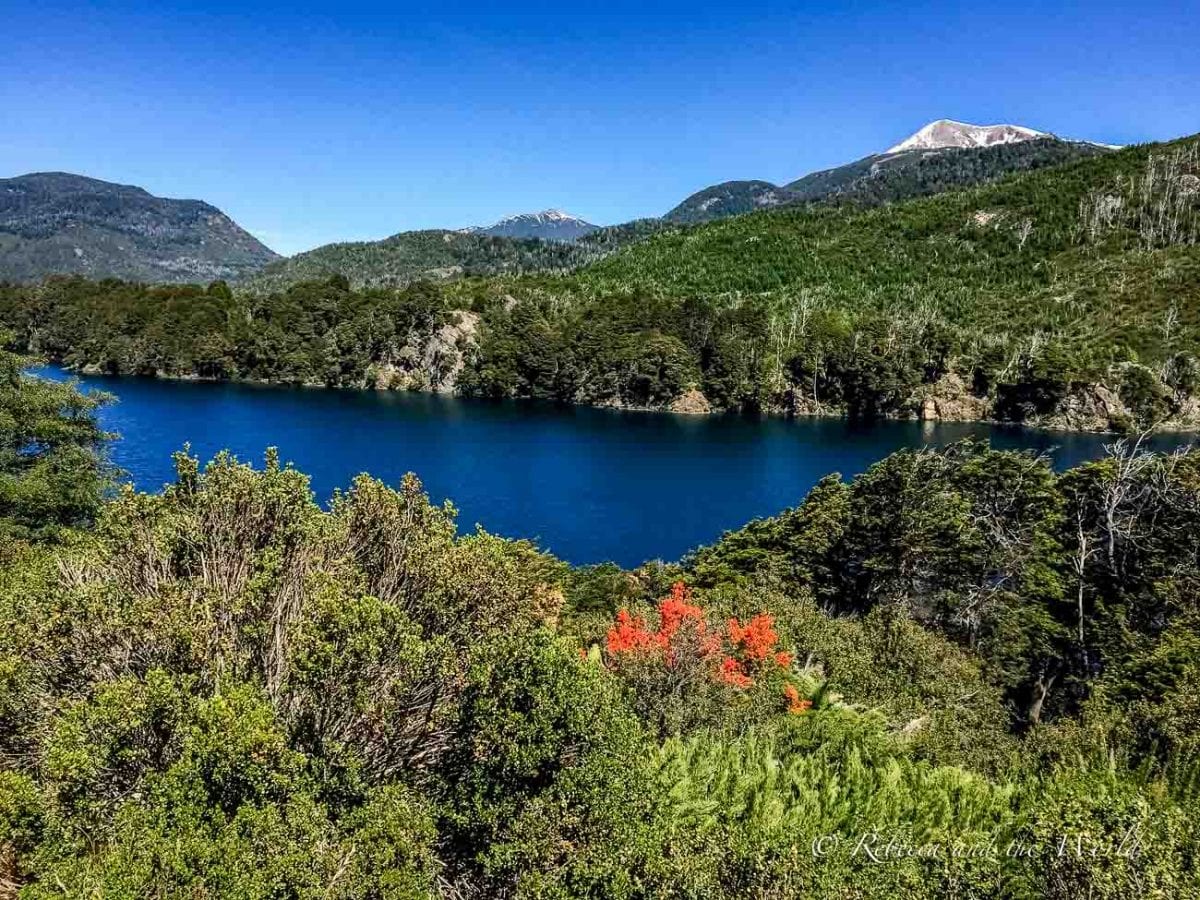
column 316, row 122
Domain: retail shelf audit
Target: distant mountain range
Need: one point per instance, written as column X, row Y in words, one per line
column 54, row 222
column 547, row 225
column 941, row 155
column 60, row 223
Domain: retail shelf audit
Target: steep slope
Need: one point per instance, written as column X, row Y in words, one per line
column 57, row 223
column 548, row 225
column 921, row 173
column 434, row 255
column 970, row 236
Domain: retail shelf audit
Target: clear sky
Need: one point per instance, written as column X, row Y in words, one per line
column 310, row 123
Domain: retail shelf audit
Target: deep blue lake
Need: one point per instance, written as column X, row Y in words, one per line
column 587, row 484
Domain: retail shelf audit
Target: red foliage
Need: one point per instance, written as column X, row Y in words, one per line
column 737, row 655
column 629, row 634
column 731, row 673
column 676, row 616
column 757, row 638
column 796, row 705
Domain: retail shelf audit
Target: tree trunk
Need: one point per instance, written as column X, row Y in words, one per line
column 1040, row 690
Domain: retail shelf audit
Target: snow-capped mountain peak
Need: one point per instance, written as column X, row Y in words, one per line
column 948, row 133
column 549, row 224
column 543, row 217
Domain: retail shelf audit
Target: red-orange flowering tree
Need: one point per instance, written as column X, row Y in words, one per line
column 680, row 667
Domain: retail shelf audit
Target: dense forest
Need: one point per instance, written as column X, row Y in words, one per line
column 314, row 333
column 1013, row 300
column 1064, row 297
column 421, row 255
column 959, row 674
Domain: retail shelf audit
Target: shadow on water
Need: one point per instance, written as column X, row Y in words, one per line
column 587, row 484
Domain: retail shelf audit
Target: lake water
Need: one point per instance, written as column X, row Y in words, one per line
column 587, row 484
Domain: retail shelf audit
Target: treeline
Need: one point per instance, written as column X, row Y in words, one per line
column 960, row 674
column 634, row 348
column 316, row 333
column 641, row 349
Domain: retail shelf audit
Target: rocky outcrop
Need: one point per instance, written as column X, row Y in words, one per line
column 795, row 402
column 1092, row 407
column 445, row 354
column 691, row 402
column 1188, row 416
column 949, row 400
column 432, row 363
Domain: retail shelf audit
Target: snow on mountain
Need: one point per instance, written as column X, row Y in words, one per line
column 549, row 225
column 948, row 133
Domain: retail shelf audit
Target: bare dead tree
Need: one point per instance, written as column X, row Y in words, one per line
column 1085, row 550
column 1024, row 230
column 1161, row 204
column 1170, row 322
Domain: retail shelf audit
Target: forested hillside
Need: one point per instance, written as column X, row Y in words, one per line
column 883, row 178
column 959, row 675
column 892, row 177
column 509, row 248
column 1007, row 300
column 1066, row 297
column 415, row 255
column 58, row 223
column 319, row 333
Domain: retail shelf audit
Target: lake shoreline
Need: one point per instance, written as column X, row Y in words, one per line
column 1049, row 424
column 587, row 483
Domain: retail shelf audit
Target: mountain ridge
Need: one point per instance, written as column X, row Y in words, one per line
column 885, row 177
column 428, row 255
column 547, row 225
column 61, row 223
column 65, row 223
column 939, row 136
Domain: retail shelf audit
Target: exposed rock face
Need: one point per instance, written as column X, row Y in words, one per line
column 949, row 400
column 1188, row 417
column 445, row 354
column 1094, row 407
column 430, row 364
column 796, row 402
column 691, row 402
